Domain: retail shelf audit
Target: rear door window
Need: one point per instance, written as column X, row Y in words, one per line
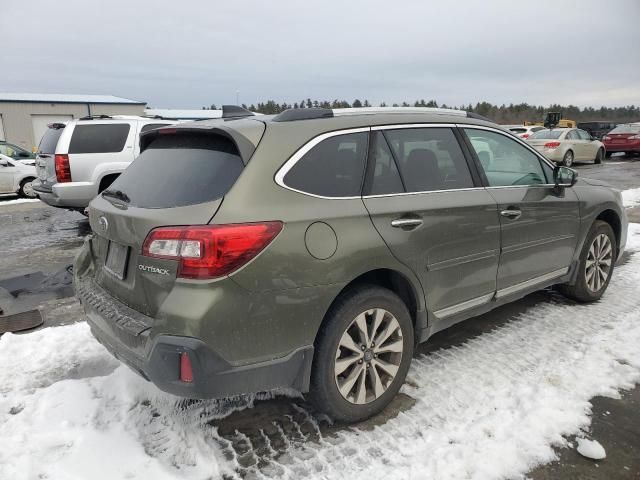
column 50, row 140
column 429, row 159
column 332, row 168
column 99, row 138
column 177, row 170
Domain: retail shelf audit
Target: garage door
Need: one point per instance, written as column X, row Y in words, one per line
column 1, row 129
column 40, row 123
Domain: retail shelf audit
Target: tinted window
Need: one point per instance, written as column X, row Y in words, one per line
column 547, row 134
column 505, row 161
column 386, row 178
column 151, row 126
column 429, row 159
column 99, row 138
column 518, row 130
column 635, row 129
column 178, row 170
column 333, row 168
column 50, row 140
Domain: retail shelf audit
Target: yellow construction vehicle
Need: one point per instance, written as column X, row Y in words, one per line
column 554, row 120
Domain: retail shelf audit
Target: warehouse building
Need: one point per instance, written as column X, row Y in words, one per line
column 24, row 116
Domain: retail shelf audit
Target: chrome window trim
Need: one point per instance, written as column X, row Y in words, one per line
column 381, row 195
column 288, row 165
column 402, row 126
column 512, row 137
column 531, row 282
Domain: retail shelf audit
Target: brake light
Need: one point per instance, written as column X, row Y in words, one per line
column 186, row 369
column 606, row 137
column 63, row 169
column 524, row 135
column 210, row 251
column 634, row 137
column 552, row 145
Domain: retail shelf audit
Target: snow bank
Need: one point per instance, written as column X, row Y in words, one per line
column 591, row 449
column 17, row 200
column 631, row 198
column 490, row 408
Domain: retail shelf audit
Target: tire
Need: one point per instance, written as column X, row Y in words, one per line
column 26, row 189
column 367, row 305
column 599, row 156
column 586, row 289
column 567, row 160
column 607, row 154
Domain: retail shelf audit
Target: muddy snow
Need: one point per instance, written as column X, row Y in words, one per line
column 492, row 407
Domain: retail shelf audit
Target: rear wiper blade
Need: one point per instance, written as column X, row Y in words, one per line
column 119, row 194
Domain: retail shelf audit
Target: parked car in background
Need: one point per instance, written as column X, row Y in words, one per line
column 79, row 159
column 16, row 177
column 597, row 129
column 15, row 152
column 523, row 131
column 566, row 145
column 624, row 138
column 313, row 250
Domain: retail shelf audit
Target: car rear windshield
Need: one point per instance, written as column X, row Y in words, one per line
column 181, row 169
column 518, row 130
column 547, row 134
column 99, row 138
column 50, row 140
column 626, row 129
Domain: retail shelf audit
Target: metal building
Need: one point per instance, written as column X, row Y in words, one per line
column 24, row 116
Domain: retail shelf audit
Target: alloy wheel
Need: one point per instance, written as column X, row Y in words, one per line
column 598, row 263
column 27, row 188
column 568, row 159
column 368, row 356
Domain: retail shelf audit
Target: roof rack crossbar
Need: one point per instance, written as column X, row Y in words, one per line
column 93, row 117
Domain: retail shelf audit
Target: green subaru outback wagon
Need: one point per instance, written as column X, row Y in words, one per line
column 313, row 250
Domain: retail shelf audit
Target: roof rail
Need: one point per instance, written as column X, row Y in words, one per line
column 311, row 113
column 93, row 117
column 234, row 111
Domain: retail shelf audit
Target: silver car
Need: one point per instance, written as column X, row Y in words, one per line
column 566, row 145
column 16, row 177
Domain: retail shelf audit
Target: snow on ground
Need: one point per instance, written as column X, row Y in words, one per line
column 631, row 198
column 591, row 449
column 490, row 408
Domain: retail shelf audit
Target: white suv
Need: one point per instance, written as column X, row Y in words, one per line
column 79, row 159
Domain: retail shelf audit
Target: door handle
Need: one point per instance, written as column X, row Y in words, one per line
column 406, row 223
column 511, row 214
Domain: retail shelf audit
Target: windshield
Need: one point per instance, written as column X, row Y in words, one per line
column 50, row 140
column 626, row 129
column 180, row 169
column 547, row 134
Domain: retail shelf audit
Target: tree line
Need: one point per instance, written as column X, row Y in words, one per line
column 504, row 114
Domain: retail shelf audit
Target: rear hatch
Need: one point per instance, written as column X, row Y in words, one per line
column 179, row 179
column 45, row 158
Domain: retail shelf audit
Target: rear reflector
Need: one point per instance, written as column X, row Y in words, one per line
column 552, row 145
column 210, row 251
column 63, row 169
column 186, row 369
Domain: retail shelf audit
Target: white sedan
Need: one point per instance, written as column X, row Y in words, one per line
column 523, row 131
column 564, row 145
column 16, row 177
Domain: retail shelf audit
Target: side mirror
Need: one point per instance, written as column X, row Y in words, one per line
column 564, row 176
column 3, row 163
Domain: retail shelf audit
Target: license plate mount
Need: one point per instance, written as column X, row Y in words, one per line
column 116, row 261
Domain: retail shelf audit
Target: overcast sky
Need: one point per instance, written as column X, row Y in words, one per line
column 186, row 54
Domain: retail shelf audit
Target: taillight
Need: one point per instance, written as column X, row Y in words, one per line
column 63, row 169
column 524, row 135
column 210, row 251
column 606, row 137
column 634, row 137
column 552, row 145
column 186, row 369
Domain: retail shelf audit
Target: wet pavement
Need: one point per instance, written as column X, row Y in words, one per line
column 37, row 246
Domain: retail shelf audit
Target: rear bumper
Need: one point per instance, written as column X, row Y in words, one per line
column 127, row 334
column 553, row 154
column 622, row 147
column 71, row 195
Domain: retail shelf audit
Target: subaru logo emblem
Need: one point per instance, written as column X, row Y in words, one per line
column 104, row 223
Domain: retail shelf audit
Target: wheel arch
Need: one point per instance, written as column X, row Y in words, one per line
column 611, row 217
column 395, row 281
